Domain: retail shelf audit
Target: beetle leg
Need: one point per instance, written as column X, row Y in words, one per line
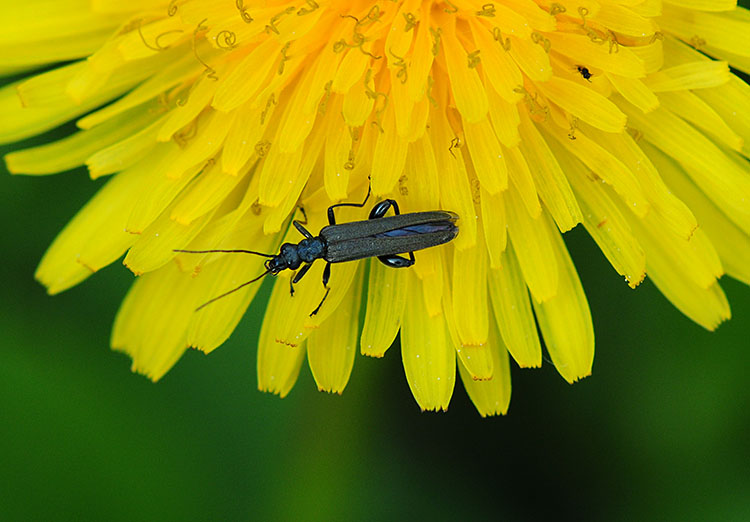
column 321, row 303
column 394, row 261
column 302, row 230
column 326, row 276
column 304, row 215
column 299, row 275
column 379, row 210
column 332, row 217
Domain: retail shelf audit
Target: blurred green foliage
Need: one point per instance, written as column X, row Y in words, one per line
column 659, row 432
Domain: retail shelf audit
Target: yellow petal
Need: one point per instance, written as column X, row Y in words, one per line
column 386, row 297
column 476, row 359
column 531, row 59
column 23, row 22
column 505, row 119
column 331, row 348
column 455, row 191
column 675, row 214
column 418, row 121
column 433, row 282
column 695, row 75
column 428, row 357
column 622, row 20
column 280, row 213
column 671, row 267
column 731, row 243
column 705, row 5
column 691, row 108
column 278, row 365
column 155, row 246
column 357, row 104
column 96, row 236
column 706, row 306
column 491, row 397
column 172, row 72
column 205, row 144
column 204, row 195
column 507, row 20
column 338, row 147
column 532, row 243
column 403, row 105
column 486, row 156
column 152, row 322
column 694, row 260
column 635, row 91
column 212, row 325
column 701, row 159
column 565, row 319
column 533, row 13
column 466, row 86
column 421, row 60
column 20, row 120
column 647, row 8
column 723, row 30
column 162, row 190
column 651, row 56
column 189, row 106
column 549, row 179
column 279, row 173
column 298, row 117
column 510, row 302
column 351, row 69
column 520, row 177
column 606, row 225
column 580, row 49
column 732, row 102
column 389, row 156
column 470, row 294
column 585, row 104
column 247, row 76
column 45, row 49
column 242, row 138
column 155, row 37
column 422, row 177
column 124, row 153
column 604, row 164
column 495, row 225
column 72, row 151
column 500, row 69
column 321, row 73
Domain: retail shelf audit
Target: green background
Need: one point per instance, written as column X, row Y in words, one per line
column 659, row 432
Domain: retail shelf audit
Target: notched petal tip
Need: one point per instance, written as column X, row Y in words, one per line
column 634, row 283
column 577, row 378
column 135, row 272
column 435, row 409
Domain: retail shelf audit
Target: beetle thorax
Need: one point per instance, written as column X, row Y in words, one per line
column 310, row 249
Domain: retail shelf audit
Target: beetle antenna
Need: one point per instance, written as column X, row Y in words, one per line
column 232, row 290
column 224, row 251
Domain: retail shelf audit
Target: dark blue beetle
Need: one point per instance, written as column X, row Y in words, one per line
column 379, row 236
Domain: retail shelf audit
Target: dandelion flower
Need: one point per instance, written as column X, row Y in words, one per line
column 216, row 120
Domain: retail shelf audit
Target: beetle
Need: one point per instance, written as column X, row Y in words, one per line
column 380, row 236
column 584, row 72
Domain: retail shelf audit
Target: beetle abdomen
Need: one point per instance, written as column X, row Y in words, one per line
column 396, row 241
